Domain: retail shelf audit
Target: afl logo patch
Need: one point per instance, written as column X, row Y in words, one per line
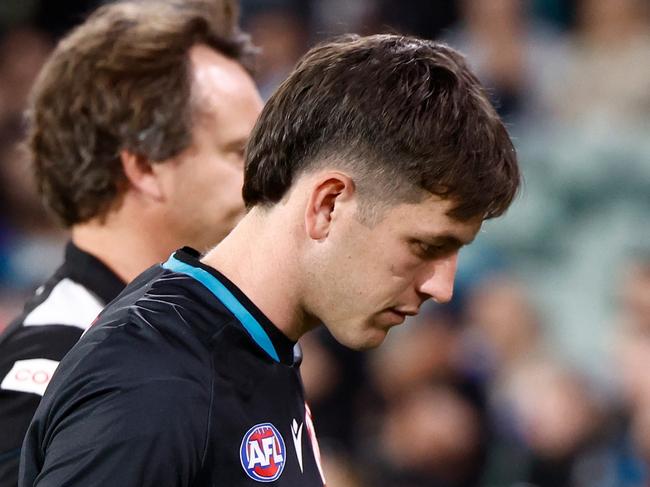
column 262, row 453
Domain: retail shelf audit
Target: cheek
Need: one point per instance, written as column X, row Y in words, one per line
column 230, row 176
column 380, row 273
column 235, row 185
column 222, row 185
column 403, row 266
column 377, row 285
column 399, row 279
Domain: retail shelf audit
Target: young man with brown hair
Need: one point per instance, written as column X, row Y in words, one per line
column 368, row 169
column 137, row 128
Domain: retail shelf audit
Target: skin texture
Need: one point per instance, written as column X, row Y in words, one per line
column 194, row 198
column 310, row 259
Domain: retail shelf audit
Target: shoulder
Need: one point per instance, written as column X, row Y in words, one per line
column 32, row 347
column 127, row 382
column 51, row 323
column 150, row 334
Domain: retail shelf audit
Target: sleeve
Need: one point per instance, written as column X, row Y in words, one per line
column 144, row 435
column 28, row 358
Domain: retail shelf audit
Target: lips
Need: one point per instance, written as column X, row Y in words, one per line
column 397, row 316
column 394, row 317
column 405, row 311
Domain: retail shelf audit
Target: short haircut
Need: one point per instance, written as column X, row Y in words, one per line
column 402, row 113
column 121, row 81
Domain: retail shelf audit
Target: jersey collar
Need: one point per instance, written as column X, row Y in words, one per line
column 263, row 332
column 92, row 273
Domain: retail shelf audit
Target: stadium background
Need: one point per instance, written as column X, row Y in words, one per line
column 538, row 373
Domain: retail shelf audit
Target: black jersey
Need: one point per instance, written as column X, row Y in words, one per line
column 34, row 343
column 182, row 381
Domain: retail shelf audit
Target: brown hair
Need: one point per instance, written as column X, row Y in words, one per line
column 120, row 81
column 403, row 114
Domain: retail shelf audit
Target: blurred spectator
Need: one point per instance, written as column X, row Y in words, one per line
column 517, row 56
column 504, row 329
column 429, row 437
column 340, row 470
column 283, row 37
column 337, row 389
column 542, row 419
column 422, row 18
column 429, row 423
column 335, row 17
column 586, row 198
column 22, row 53
column 632, row 355
column 559, row 425
column 29, row 244
column 609, row 77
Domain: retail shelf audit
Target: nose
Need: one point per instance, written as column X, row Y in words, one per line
column 437, row 281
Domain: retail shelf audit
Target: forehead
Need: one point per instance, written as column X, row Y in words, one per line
column 430, row 219
column 223, row 91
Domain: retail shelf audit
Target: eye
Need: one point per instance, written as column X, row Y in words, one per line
column 237, row 154
column 431, row 251
column 426, row 250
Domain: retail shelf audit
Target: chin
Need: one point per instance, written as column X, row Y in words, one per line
column 371, row 339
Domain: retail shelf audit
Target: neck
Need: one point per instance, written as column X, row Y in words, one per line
column 258, row 258
column 125, row 250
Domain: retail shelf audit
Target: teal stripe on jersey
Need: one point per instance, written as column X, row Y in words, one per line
column 222, row 293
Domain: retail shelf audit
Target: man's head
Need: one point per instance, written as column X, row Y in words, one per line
column 393, row 156
column 147, row 105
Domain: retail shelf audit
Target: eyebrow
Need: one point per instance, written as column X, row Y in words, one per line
column 447, row 241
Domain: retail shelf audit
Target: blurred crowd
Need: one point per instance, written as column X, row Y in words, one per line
column 535, row 374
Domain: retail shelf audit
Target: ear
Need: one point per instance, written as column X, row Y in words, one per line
column 140, row 173
column 329, row 193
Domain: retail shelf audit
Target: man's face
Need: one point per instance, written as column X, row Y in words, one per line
column 371, row 278
column 204, row 182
